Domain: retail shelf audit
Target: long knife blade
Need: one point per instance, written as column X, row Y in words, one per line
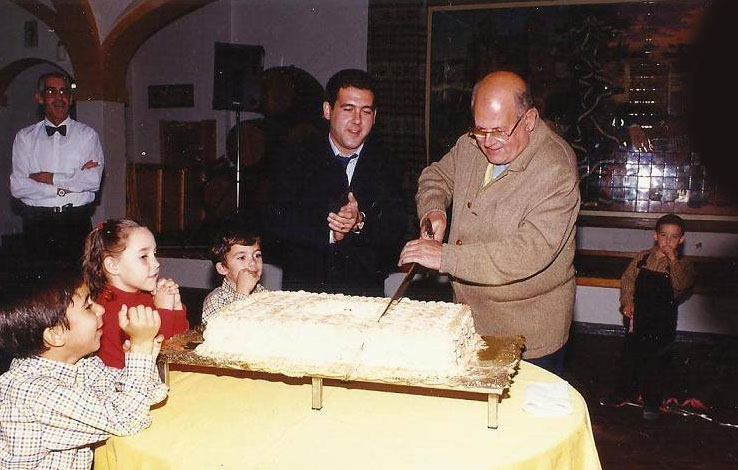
column 400, row 290
column 428, row 230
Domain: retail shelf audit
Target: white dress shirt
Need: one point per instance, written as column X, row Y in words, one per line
column 349, row 172
column 64, row 156
column 352, row 164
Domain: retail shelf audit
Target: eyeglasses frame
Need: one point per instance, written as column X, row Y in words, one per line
column 53, row 91
column 482, row 134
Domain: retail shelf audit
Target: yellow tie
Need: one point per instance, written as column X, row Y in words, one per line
column 488, row 174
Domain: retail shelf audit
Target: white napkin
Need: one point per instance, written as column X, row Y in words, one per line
column 547, row 399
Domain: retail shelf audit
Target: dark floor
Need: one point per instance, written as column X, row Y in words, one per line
column 705, row 368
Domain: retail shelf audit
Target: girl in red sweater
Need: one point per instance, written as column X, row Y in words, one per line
column 121, row 268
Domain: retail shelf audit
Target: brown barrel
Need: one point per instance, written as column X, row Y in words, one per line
column 252, row 143
column 291, row 92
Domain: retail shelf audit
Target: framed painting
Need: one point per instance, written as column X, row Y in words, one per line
column 611, row 77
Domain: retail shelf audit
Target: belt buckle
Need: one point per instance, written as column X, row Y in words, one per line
column 65, row 207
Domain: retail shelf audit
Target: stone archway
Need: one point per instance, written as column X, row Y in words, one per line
column 100, row 64
column 13, row 69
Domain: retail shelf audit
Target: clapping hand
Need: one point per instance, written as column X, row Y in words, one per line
column 346, row 219
column 141, row 324
column 166, row 295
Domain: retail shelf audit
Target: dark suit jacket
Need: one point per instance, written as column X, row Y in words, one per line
column 310, row 182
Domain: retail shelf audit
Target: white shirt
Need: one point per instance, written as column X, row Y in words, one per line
column 349, row 171
column 34, row 151
column 352, row 164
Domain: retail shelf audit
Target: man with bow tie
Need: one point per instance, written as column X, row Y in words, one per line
column 57, row 168
column 336, row 206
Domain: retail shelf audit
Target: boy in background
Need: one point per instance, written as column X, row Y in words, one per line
column 650, row 290
column 237, row 257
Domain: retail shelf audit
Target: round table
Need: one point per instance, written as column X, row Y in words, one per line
column 215, row 421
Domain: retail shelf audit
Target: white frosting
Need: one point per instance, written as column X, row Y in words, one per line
column 340, row 335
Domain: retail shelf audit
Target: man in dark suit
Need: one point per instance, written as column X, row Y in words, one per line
column 336, row 208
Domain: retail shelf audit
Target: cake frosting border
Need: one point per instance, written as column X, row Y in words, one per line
column 471, row 371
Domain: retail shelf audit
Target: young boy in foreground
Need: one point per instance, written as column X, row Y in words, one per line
column 55, row 401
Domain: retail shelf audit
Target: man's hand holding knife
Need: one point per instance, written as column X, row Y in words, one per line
column 426, row 250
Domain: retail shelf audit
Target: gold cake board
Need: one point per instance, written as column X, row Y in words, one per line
column 490, row 373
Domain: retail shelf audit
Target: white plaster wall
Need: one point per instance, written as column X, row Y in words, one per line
column 319, row 36
column 182, row 52
column 695, row 244
column 20, row 112
column 699, row 313
column 107, row 118
column 12, row 19
column 106, row 13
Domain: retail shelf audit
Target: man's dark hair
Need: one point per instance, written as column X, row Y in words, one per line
column 33, row 302
column 348, row 78
column 42, row 79
column 226, row 239
column 670, row 219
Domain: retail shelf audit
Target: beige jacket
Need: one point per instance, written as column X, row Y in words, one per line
column 511, row 246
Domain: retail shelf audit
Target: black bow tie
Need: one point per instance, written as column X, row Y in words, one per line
column 50, row 130
column 346, row 160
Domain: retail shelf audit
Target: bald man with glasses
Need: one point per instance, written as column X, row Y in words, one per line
column 512, row 186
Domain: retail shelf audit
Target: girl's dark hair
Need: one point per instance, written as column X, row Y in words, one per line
column 106, row 239
column 34, row 302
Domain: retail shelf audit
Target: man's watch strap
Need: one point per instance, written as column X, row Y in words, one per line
column 359, row 226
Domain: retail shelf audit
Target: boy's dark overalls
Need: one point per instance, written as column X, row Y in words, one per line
column 649, row 347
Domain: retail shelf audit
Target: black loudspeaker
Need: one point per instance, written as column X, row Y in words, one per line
column 237, row 76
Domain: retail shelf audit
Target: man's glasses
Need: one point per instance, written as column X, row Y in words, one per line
column 51, row 91
column 497, row 133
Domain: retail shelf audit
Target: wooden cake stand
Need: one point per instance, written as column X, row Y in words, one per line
column 489, row 373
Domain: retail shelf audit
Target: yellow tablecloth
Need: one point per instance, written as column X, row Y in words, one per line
column 229, row 423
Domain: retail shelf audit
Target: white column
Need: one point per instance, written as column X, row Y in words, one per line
column 107, row 118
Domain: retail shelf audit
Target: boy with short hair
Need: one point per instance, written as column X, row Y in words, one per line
column 237, row 257
column 55, row 401
column 650, row 290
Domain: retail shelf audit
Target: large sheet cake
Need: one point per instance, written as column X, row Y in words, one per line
column 334, row 335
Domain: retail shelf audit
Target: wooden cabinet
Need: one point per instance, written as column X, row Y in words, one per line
column 167, row 200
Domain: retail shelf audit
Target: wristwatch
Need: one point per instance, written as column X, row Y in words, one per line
column 359, row 226
column 61, row 192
